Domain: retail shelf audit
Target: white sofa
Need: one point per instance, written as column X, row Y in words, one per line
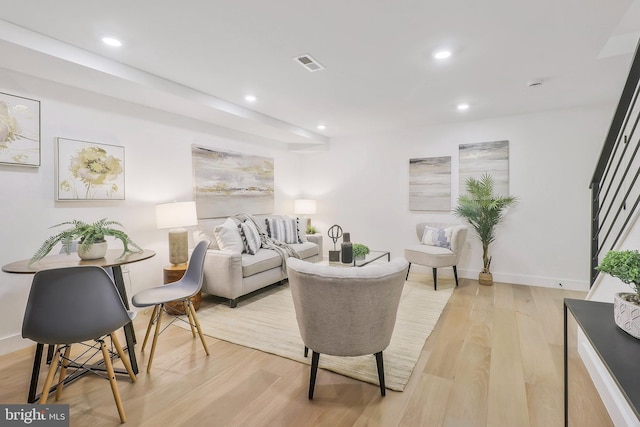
column 231, row 274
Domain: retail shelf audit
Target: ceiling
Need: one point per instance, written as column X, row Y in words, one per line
column 200, row 58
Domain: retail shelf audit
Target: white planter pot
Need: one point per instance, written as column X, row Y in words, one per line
column 626, row 315
column 95, row 251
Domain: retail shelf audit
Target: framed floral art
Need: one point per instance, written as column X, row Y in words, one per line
column 19, row 130
column 89, row 171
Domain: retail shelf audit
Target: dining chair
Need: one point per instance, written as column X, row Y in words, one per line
column 346, row 311
column 74, row 305
column 182, row 290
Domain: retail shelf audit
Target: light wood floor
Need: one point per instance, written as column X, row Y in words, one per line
column 494, row 359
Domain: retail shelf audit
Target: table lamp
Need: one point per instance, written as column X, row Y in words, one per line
column 304, row 207
column 175, row 216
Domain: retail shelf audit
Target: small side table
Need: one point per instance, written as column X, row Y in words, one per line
column 173, row 273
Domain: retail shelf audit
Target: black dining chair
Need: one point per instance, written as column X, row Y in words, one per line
column 76, row 305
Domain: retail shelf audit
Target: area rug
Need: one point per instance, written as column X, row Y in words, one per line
column 266, row 321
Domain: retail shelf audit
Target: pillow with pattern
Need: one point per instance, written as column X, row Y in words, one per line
column 250, row 237
column 440, row 237
column 283, row 229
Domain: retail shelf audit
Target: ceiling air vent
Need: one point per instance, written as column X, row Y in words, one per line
column 308, row 62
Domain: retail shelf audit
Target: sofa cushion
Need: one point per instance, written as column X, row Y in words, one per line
column 263, row 260
column 228, row 236
column 283, row 229
column 250, row 237
column 306, row 249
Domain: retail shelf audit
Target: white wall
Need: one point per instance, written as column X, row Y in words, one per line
column 158, row 169
column 361, row 183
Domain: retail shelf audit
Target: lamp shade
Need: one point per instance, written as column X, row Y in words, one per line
column 176, row 215
column 304, row 206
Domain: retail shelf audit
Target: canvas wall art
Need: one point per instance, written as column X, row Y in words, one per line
column 485, row 157
column 430, row 184
column 89, row 171
column 227, row 183
column 19, row 130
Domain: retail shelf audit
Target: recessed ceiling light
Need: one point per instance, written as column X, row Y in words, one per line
column 321, row 127
column 442, row 54
column 111, row 41
column 463, row 107
column 250, row 98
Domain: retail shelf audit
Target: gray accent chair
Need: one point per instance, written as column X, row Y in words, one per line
column 73, row 305
column 189, row 285
column 434, row 256
column 346, row 311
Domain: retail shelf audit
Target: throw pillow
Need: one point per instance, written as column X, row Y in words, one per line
column 228, row 236
column 302, row 229
column 282, row 229
column 440, row 237
column 250, row 237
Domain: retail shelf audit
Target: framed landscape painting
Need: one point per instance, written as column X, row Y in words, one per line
column 227, row 183
column 485, row 157
column 89, row 171
column 19, row 130
column 430, row 184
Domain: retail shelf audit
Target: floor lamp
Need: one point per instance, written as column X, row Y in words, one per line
column 176, row 216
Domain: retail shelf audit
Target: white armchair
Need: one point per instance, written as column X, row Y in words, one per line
column 441, row 247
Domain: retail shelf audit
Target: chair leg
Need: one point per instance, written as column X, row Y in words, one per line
column 63, row 371
column 380, row 363
column 189, row 318
column 197, row 323
column 408, row 268
column 455, row 274
column 306, row 351
column 146, row 336
column 435, row 279
column 112, row 380
column 47, row 383
column 315, row 357
column 123, row 357
column 155, row 337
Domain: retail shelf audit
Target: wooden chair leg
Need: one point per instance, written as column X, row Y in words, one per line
column 189, row 317
column 112, row 381
column 408, row 268
column 155, row 338
column 455, row 274
column 47, row 383
column 315, row 357
column 380, row 364
column 197, row 323
column 153, row 316
column 435, row 279
column 63, row 371
column 306, row 351
column 123, row 357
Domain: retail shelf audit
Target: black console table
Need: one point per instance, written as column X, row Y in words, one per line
column 617, row 350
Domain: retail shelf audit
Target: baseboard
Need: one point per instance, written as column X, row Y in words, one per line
column 520, row 279
column 12, row 343
column 619, row 410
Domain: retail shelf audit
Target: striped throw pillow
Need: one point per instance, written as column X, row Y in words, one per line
column 283, row 229
column 250, row 237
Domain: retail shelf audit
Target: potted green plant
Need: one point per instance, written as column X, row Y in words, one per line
column 625, row 265
column 484, row 211
column 91, row 236
column 311, row 230
column 360, row 251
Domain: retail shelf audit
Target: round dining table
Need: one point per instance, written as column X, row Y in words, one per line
column 114, row 259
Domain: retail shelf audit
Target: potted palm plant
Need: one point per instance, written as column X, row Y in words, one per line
column 625, row 265
column 484, row 211
column 92, row 243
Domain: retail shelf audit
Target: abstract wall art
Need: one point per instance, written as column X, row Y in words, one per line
column 430, row 184
column 227, row 183
column 19, row 130
column 89, row 171
column 485, row 157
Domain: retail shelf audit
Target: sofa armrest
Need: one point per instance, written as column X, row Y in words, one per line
column 223, row 273
column 317, row 239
